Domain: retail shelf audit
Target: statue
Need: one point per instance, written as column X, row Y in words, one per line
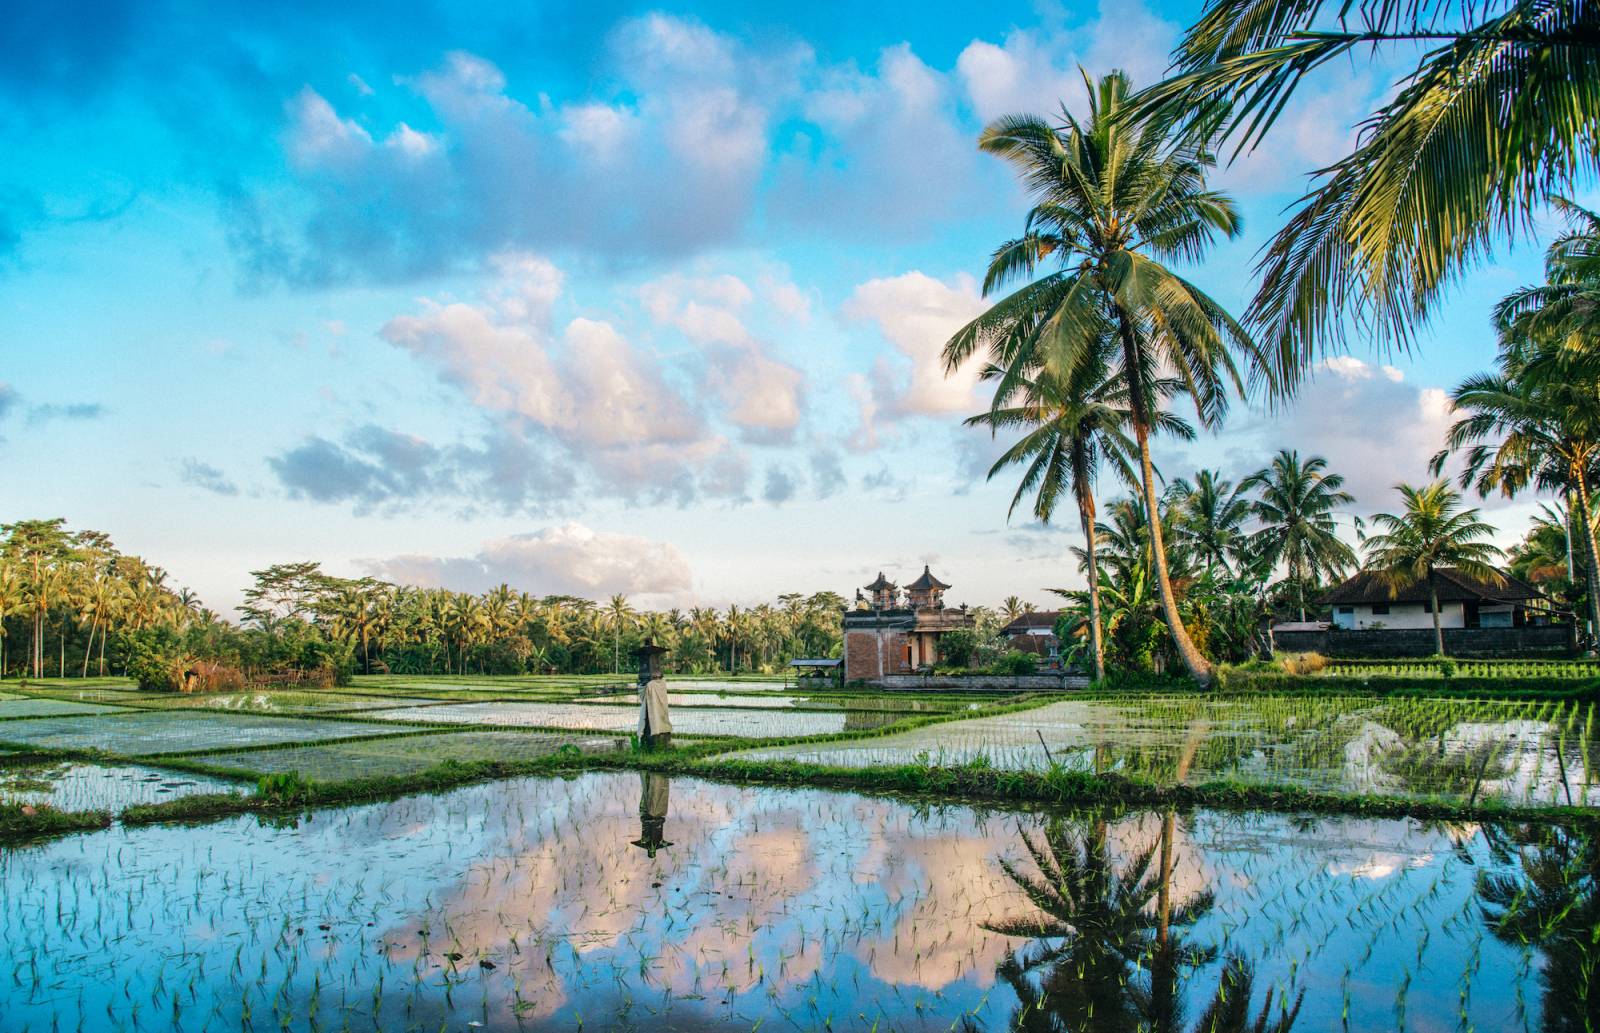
column 655, row 725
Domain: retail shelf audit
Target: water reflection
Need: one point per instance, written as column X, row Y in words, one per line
column 654, row 792
column 1546, row 896
column 631, row 901
column 1110, row 951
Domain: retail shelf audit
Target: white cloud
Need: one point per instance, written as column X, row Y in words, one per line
column 916, row 314
column 760, row 393
column 317, row 136
column 569, row 559
column 1373, row 425
column 607, row 401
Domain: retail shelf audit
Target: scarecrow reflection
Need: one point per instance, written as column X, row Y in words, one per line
column 654, row 790
column 1108, row 950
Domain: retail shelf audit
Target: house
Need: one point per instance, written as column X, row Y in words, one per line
column 1367, row 603
column 1480, row 618
column 897, row 632
column 1034, row 632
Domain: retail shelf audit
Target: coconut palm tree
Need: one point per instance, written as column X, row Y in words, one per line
column 1073, row 420
column 1432, row 533
column 1212, row 514
column 1501, row 112
column 1295, row 507
column 1115, row 199
column 619, row 615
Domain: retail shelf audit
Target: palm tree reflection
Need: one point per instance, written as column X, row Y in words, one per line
column 1108, row 951
column 1548, row 898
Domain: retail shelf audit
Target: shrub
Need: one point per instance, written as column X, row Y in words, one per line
column 1015, row 662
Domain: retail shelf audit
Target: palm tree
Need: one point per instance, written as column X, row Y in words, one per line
column 1072, row 422
column 1212, row 518
column 1114, row 199
column 1500, row 114
column 1296, row 511
column 1536, row 422
column 1432, row 533
column 41, row 549
column 619, row 615
column 12, row 600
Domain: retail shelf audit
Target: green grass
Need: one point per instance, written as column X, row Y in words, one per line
column 19, row 821
column 152, row 733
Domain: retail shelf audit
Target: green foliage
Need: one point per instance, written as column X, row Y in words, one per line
column 286, row 786
column 957, row 647
column 1016, row 662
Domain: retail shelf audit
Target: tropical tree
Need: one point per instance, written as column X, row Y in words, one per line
column 1115, row 198
column 619, row 614
column 1213, row 512
column 1071, row 422
column 1501, row 112
column 41, row 550
column 1430, row 534
column 1296, row 507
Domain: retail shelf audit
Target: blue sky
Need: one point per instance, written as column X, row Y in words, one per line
column 583, row 297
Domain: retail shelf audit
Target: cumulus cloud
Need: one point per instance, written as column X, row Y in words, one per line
column 500, row 171
column 206, row 477
column 761, row 394
column 916, row 314
column 605, row 402
column 1374, row 426
column 569, row 559
column 1036, row 70
column 887, row 151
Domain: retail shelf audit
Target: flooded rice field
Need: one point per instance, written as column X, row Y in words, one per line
column 174, row 731
column 1522, row 752
column 407, row 755
column 628, row 901
column 20, row 706
column 747, row 723
column 71, row 786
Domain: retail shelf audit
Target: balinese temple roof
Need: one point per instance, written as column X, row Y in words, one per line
column 926, row 582
column 881, row 584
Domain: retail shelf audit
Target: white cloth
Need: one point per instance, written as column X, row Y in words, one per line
column 653, row 719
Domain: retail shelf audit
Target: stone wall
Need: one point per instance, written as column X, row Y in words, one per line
column 1462, row 642
column 1001, row 682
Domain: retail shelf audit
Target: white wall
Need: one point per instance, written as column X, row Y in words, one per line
column 1401, row 615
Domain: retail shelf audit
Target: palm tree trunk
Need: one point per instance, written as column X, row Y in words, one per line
column 102, row 654
column 1438, row 628
column 88, row 649
column 1097, row 651
column 1200, row 668
column 1591, row 574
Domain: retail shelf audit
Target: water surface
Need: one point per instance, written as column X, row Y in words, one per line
column 630, row 902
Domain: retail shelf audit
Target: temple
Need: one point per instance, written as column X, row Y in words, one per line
column 897, row 632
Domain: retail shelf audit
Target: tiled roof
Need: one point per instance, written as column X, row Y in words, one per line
column 1031, row 619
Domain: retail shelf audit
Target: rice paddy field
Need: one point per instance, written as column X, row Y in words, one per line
column 539, row 872
column 630, row 901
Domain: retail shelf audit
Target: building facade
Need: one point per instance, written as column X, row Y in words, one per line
column 1366, row 603
column 897, row 632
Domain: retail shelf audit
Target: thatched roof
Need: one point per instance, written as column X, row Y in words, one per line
column 1367, row 588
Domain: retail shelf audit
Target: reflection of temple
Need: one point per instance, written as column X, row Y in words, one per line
column 897, row 632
